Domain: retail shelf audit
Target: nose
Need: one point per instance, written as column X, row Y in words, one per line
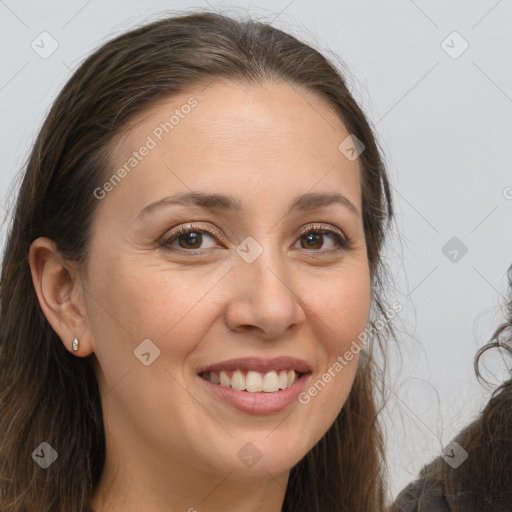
column 264, row 297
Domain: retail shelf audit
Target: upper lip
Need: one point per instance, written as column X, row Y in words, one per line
column 259, row 364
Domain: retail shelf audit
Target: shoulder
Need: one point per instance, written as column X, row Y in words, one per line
column 482, row 482
column 426, row 494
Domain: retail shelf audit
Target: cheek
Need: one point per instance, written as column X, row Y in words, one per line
column 130, row 302
column 341, row 304
column 340, row 310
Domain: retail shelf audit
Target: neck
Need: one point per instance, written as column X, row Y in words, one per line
column 142, row 485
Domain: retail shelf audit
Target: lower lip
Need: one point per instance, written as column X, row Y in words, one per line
column 259, row 403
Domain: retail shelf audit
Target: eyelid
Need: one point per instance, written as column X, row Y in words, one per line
column 323, row 227
column 344, row 243
column 174, row 232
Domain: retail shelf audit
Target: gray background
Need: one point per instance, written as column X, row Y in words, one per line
column 445, row 126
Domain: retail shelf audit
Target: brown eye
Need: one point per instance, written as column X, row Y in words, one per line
column 188, row 239
column 192, row 238
column 314, row 238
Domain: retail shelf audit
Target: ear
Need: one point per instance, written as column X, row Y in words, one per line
column 60, row 294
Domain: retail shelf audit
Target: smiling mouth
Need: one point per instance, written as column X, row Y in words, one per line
column 252, row 381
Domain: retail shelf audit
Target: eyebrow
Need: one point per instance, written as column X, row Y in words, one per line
column 305, row 202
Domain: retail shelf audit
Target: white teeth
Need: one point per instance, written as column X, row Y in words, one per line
column 270, row 382
column 238, row 380
column 283, row 379
column 253, row 382
column 224, row 379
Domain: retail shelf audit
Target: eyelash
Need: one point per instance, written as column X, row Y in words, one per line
column 343, row 242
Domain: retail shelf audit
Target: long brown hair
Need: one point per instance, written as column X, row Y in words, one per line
column 47, row 394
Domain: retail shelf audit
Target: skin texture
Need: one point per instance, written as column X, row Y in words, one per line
column 171, row 445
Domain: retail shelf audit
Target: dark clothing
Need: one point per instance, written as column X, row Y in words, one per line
column 438, row 489
column 482, row 482
column 427, row 493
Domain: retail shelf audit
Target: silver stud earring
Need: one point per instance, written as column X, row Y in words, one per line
column 75, row 344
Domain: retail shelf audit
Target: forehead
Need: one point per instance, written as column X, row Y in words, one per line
column 239, row 136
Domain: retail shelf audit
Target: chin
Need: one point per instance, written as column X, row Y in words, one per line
column 262, row 454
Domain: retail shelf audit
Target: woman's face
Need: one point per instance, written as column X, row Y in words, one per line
column 256, row 282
